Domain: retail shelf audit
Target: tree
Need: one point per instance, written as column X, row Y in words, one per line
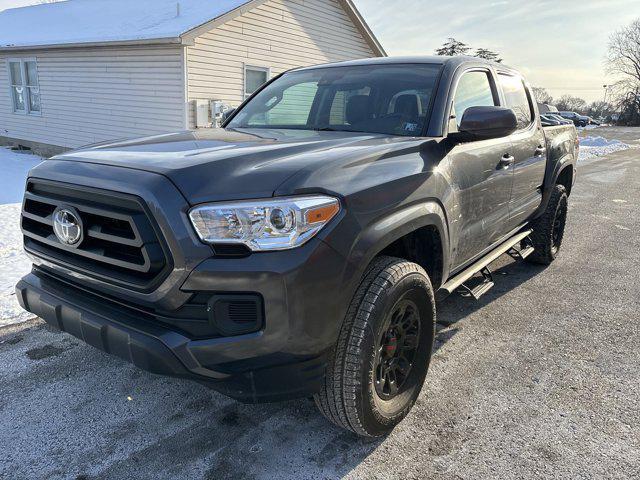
column 453, row 47
column 571, row 104
column 623, row 61
column 600, row 109
column 542, row 96
column 487, row 55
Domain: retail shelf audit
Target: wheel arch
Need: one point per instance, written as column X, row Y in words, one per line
column 418, row 233
column 566, row 167
column 565, row 177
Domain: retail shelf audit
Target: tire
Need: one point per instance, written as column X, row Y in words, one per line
column 378, row 352
column 548, row 229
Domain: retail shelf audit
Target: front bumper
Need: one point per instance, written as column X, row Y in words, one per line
column 269, row 365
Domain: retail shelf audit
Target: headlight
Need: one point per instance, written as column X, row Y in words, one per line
column 270, row 224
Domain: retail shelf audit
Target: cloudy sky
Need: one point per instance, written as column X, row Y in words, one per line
column 557, row 44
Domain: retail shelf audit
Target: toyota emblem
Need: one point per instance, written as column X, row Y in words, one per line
column 67, row 225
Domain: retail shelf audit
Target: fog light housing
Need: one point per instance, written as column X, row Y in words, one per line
column 236, row 314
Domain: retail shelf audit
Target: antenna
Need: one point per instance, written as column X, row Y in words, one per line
column 177, row 9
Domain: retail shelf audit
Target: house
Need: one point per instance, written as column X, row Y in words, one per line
column 85, row 71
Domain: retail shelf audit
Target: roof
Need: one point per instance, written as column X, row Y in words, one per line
column 430, row 59
column 97, row 22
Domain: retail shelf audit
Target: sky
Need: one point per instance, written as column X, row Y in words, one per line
column 556, row 44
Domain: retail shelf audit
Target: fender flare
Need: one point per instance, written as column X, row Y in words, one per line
column 386, row 230
column 553, row 173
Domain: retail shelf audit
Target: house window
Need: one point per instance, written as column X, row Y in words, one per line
column 254, row 78
column 25, row 90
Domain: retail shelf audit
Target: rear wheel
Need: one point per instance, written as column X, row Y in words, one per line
column 548, row 229
column 383, row 351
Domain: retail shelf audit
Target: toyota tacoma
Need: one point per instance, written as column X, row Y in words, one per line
column 299, row 250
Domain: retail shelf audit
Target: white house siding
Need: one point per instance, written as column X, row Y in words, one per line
column 94, row 94
column 279, row 34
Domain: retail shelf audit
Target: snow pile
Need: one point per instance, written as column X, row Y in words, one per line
column 591, row 147
column 588, row 127
column 13, row 265
column 13, row 262
column 87, row 21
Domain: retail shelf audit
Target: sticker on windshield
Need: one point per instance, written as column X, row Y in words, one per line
column 410, row 127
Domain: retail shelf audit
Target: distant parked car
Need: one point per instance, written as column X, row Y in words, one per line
column 585, row 119
column 577, row 119
column 547, row 121
column 557, row 117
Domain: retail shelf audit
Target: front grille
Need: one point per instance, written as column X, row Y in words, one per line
column 121, row 245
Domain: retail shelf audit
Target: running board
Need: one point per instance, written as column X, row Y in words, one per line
column 455, row 282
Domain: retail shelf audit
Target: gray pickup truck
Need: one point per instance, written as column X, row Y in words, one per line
column 299, row 250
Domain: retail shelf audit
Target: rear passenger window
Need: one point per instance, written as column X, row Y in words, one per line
column 517, row 99
column 474, row 90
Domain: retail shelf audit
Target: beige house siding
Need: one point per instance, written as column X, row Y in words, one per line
column 99, row 93
column 278, row 34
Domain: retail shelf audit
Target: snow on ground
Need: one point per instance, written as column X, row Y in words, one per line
column 13, row 262
column 591, row 147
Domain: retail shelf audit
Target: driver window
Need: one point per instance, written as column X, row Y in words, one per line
column 474, row 90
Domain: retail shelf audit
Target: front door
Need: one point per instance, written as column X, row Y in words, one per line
column 480, row 176
column 483, row 185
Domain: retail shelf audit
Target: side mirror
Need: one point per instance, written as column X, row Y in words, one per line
column 481, row 123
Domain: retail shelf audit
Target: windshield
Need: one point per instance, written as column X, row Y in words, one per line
column 388, row 99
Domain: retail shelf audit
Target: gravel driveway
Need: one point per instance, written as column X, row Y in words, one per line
column 539, row 379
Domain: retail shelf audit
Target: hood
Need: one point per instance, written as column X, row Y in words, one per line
column 220, row 164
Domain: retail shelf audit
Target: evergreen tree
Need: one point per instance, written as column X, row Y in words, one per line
column 452, row 47
column 488, row 55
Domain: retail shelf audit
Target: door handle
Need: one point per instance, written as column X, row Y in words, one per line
column 506, row 161
column 540, row 151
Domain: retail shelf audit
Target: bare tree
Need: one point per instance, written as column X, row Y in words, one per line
column 571, row 104
column 600, row 109
column 623, row 58
column 542, row 95
column 453, row 47
column 623, row 61
column 487, row 55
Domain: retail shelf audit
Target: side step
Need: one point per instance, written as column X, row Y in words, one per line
column 479, row 290
column 481, row 266
column 520, row 253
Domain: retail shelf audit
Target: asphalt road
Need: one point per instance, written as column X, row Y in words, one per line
column 539, row 379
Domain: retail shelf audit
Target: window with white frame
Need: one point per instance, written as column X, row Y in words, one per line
column 254, row 78
column 25, row 90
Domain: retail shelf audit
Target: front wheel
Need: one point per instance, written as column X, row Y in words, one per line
column 383, row 350
column 548, row 229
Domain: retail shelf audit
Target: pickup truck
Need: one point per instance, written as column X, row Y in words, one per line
column 299, row 250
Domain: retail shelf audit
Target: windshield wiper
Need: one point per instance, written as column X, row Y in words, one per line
column 331, row 129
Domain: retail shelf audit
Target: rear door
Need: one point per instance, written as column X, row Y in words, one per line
column 528, row 150
column 481, row 180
